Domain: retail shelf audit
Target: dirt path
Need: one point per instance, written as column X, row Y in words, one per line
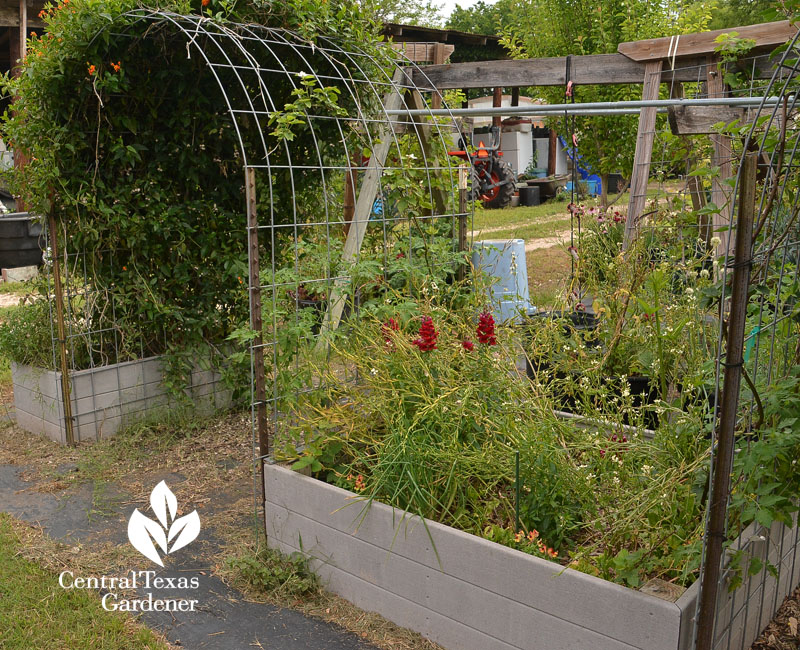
column 547, row 242
column 94, row 540
column 9, row 300
column 512, row 226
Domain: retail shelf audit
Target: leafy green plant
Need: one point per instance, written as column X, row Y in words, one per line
column 274, row 573
column 141, row 164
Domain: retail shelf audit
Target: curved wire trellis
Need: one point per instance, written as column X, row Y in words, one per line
column 302, row 188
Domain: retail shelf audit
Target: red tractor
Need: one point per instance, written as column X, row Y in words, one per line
column 493, row 180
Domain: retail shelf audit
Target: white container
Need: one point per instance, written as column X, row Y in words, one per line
column 504, row 260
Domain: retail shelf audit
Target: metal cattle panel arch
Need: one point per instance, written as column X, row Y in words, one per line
column 363, row 141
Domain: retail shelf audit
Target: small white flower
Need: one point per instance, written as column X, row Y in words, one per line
column 373, row 372
column 616, row 480
column 646, row 469
column 715, row 241
column 704, row 274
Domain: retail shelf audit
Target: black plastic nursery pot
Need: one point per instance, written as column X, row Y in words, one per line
column 20, row 240
column 643, row 390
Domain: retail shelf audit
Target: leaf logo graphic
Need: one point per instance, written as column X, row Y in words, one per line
column 148, row 536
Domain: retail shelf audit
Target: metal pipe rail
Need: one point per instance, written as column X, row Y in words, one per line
column 596, row 108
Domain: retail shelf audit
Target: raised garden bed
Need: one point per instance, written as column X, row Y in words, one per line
column 105, row 398
column 466, row 593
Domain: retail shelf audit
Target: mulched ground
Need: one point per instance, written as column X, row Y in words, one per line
column 783, row 633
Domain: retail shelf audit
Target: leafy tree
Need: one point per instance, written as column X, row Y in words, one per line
column 482, row 17
column 606, row 143
column 735, row 13
column 407, row 12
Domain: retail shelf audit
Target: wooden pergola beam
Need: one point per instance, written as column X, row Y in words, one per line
column 721, row 158
column 766, row 36
column 590, row 69
column 644, row 152
column 697, row 120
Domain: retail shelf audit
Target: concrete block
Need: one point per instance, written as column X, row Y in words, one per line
column 510, row 573
column 204, row 390
column 402, row 612
column 393, row 564
column 36, row 424
column 743, row 613
column 103, row 399
column 223, row 399
column 473, row 605
column 152, row 370
column 35, row 403
column 20, row 273
column 37, row 380
column 202, row 377
column 130, row 373
column 95, row 380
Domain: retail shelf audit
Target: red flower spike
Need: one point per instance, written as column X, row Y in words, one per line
column 469, row 346
column 387, row 328
column 485, row 330
column 427, row 335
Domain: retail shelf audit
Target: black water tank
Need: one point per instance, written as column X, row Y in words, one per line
column 529, row 195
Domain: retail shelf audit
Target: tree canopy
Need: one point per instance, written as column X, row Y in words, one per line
column 606, row 143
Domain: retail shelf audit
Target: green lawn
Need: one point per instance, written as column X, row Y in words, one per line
column 35, row 612
column 528, row 232
column 508, row 217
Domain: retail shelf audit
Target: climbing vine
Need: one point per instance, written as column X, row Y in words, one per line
column 131, row 146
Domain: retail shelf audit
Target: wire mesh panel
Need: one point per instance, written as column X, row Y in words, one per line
column 760, row 565
column 293, row 201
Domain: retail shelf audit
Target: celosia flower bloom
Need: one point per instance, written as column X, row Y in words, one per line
column 427, row 335
column 485, row 330
column 469, row 346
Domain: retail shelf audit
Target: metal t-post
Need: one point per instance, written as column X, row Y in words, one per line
column 61, row 328
column 723, row 460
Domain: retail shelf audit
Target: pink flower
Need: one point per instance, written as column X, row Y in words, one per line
column 427, row 335
column 485, row 330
